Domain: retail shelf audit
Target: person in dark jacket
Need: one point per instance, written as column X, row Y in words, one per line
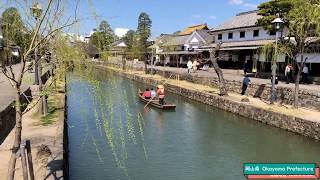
column 245, row 67
column 245, row 83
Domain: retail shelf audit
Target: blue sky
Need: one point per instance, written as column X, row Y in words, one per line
column 167, row 16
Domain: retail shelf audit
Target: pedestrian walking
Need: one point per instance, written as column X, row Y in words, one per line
column 287, row 73
column 189, row 66
column 305, row 73
column 245, row 83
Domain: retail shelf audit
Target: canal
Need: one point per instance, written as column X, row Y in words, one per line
column 112, row 136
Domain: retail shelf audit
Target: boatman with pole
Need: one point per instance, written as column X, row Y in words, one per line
column 161, row 94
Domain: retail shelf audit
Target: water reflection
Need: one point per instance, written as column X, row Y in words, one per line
column 112, row 136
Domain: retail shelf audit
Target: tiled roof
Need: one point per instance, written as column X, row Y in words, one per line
column 118, row 43
column 241, row 20
column 191, row 29
column 177, row 40
column 246, row 43
column 206, row 36
column 163, row 38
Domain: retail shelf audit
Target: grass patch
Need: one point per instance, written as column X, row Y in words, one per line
column 54, row 105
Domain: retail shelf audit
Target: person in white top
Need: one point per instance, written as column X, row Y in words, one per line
column 195, row 64
column 305, row 73
column 189, row 65
column 287, row 73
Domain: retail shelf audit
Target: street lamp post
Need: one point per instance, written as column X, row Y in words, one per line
column 278, row 23
column 36, row 13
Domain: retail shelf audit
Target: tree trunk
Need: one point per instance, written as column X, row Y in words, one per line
column 222, row 84
column 297, row 82
column 17, row 139
column 145, row 64
column 123, row 63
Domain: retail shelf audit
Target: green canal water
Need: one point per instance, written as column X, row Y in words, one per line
column 111, row 136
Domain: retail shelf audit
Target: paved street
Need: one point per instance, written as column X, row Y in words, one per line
column 7, row 92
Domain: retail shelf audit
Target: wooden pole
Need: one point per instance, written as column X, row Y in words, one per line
column 29, row 156
column 24, row 163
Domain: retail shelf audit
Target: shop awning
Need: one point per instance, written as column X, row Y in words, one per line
column 310, row 57
column 178, row 52
column 239, row 48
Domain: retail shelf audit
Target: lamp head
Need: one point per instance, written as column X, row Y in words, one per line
column 36, row 10
column 277, row 22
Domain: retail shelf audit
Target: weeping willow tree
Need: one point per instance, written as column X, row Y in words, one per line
column 48, row 30
column 111, row 114
column 28, row 34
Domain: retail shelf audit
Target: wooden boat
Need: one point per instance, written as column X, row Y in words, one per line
column 155, row 103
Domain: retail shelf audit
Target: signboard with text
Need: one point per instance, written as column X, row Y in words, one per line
column 281, row 170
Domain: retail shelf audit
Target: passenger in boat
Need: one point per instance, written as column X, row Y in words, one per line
column 147, row 94
column 153, row 93
column 161, row 95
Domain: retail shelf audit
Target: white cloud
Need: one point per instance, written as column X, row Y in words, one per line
column 243, row 4
column 235, row 2
column 212, row 17
column 250, row 6
column 197, row 16
column 120, row 32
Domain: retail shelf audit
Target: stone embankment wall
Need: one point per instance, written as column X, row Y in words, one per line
column 307, row 99
column 300, row 126
column 8, row 116
column 284, row 95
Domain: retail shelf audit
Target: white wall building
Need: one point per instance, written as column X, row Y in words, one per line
column 240, row 39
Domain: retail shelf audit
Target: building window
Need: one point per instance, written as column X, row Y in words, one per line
column 230, row 35
column 242, row 34
column 219, row 36
column 272, row 33
column 255, row 33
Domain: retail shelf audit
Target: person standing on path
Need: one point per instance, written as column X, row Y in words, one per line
column 245, row 83
column 195, row 64
column 245, row 67
column 305, row 73
column 189, row 66
column 287, row 73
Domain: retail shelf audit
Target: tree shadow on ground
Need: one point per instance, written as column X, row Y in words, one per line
column 55, row 166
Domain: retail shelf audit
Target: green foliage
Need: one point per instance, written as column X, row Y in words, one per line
column 144, row 31
column 304, row 21
column 129, row 39
column 14, row 30
column 273, row 9
column 105, row 55
column 105, row 28
column 103, row 38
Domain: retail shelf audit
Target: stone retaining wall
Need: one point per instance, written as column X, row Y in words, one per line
column 8, row 116
column 284, row 95
column 307, row 99
column 290, row 123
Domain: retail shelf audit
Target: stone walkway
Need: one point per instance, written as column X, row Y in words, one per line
column 229, row 74
column 39, row 131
